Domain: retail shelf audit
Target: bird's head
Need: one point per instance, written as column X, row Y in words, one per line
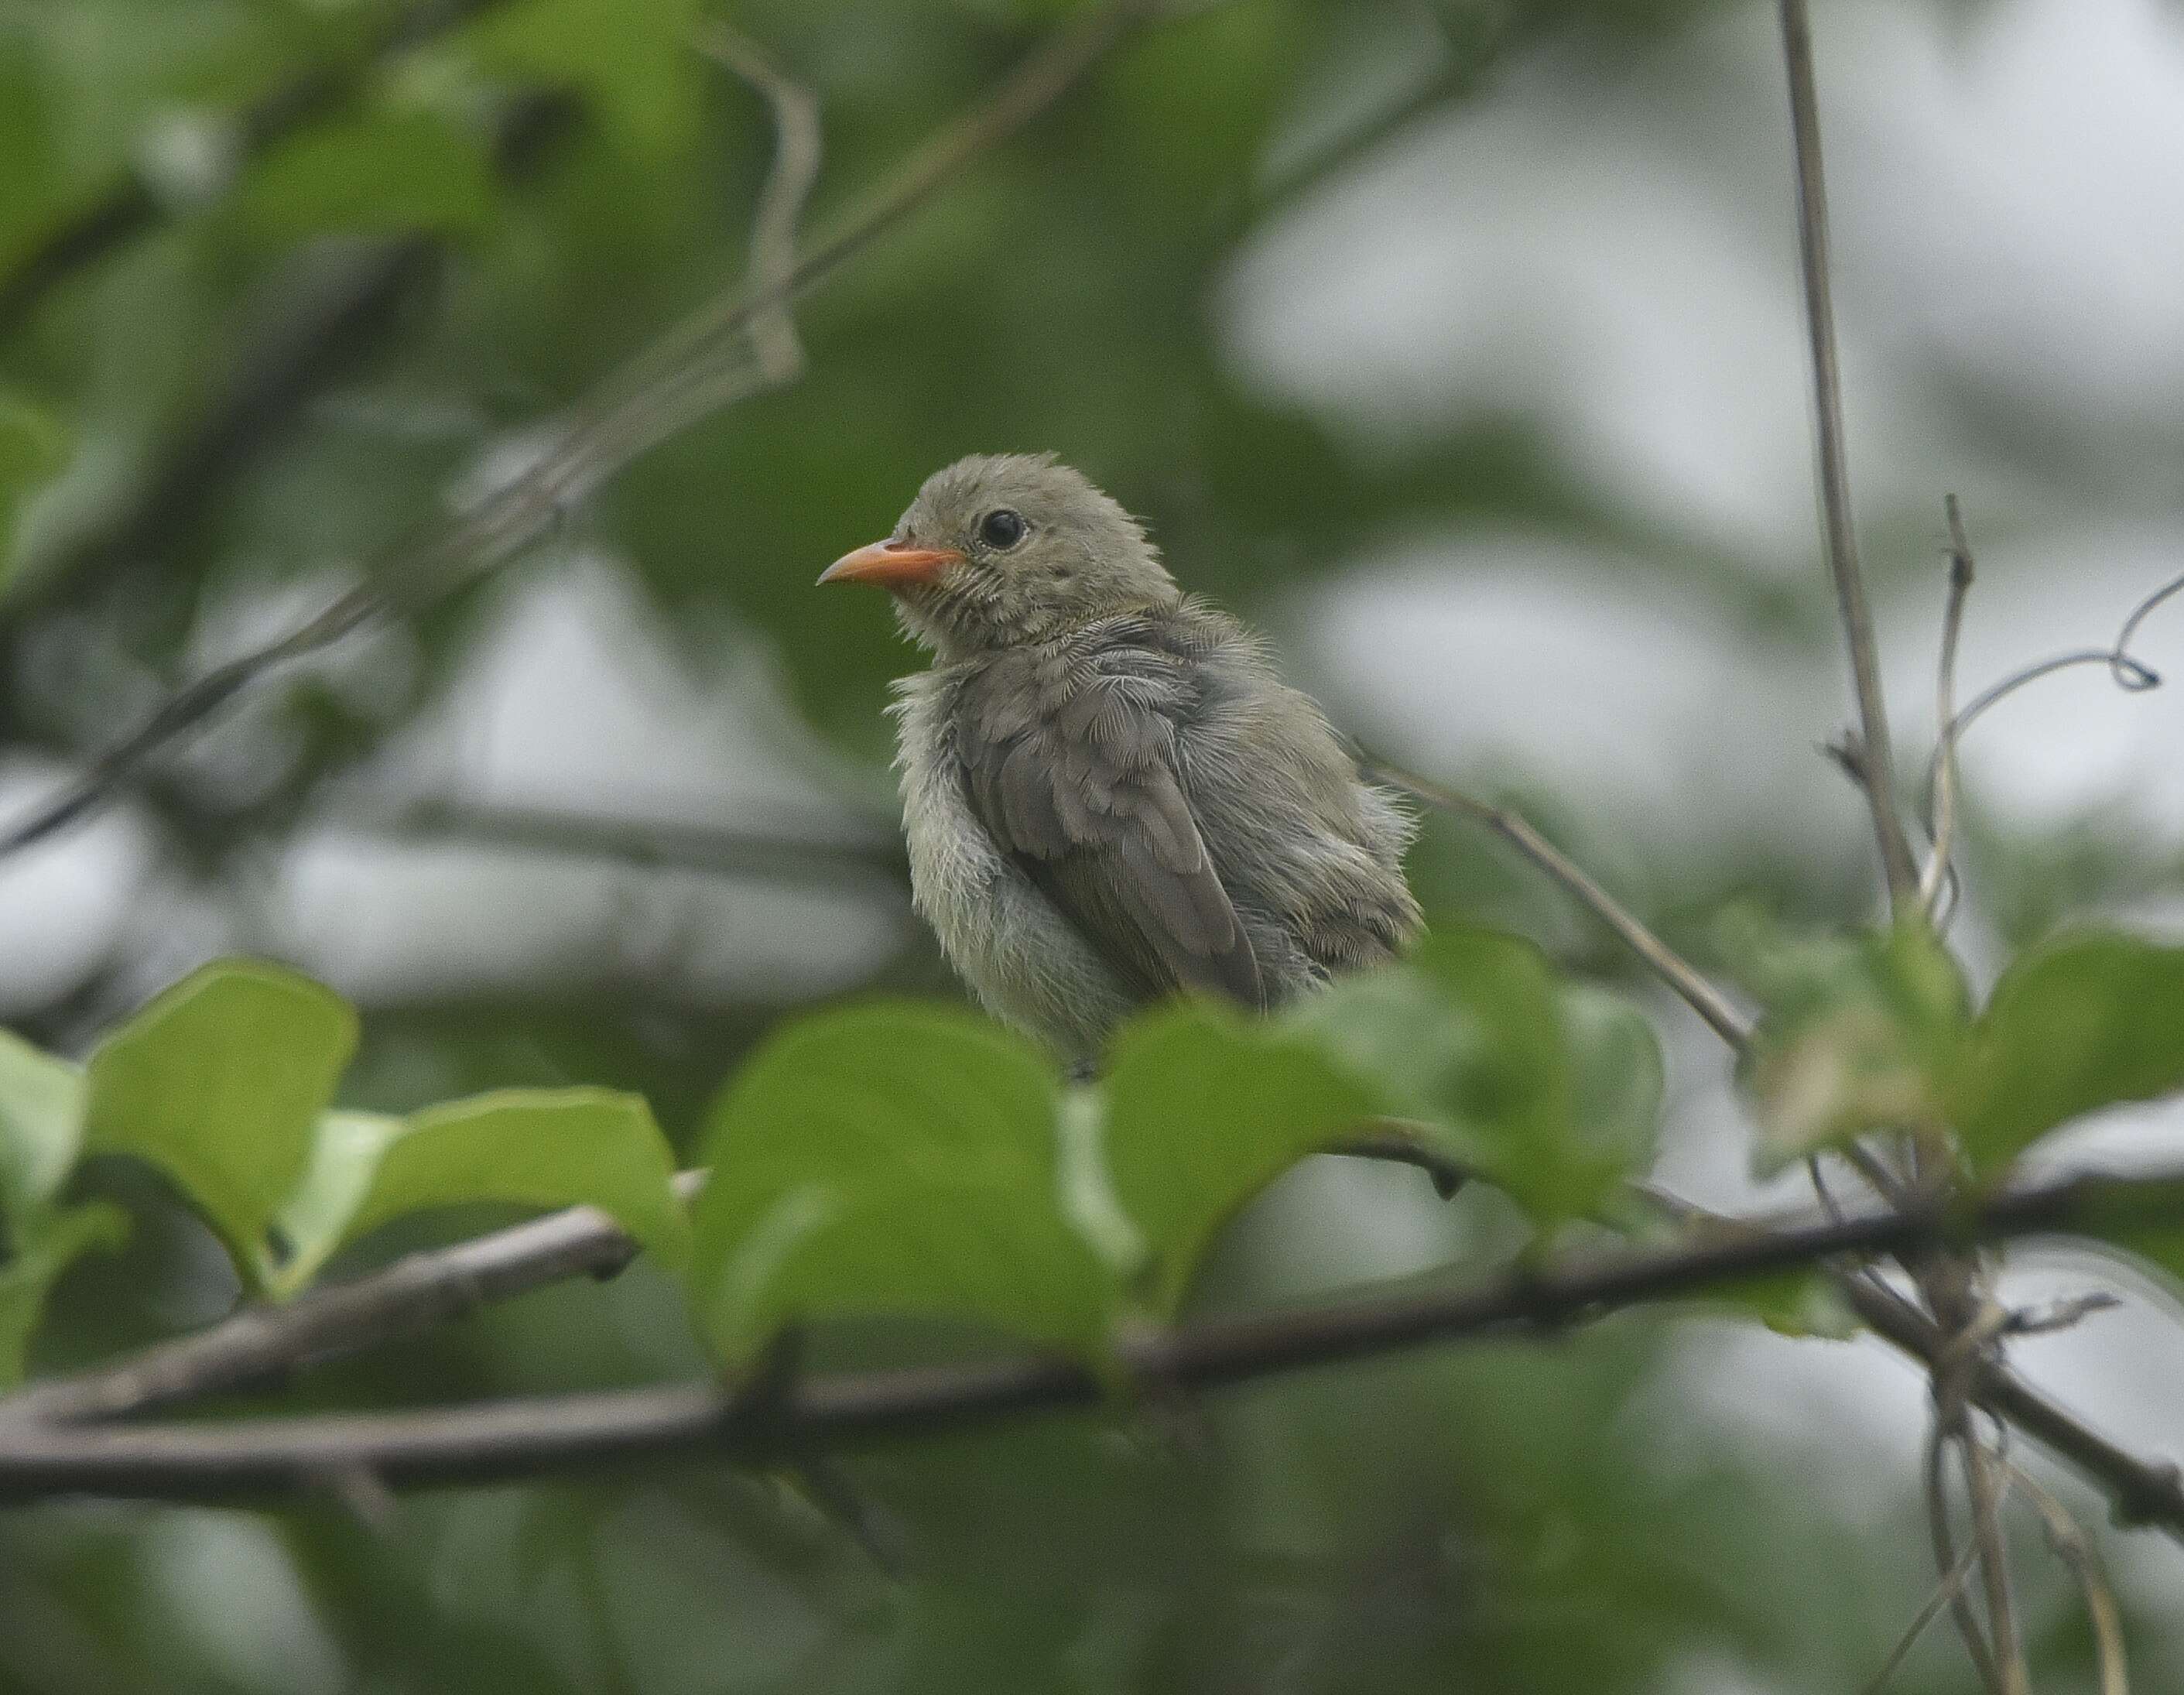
column 1006, row 548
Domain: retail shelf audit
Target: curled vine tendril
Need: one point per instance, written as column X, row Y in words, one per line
column 2132, row 675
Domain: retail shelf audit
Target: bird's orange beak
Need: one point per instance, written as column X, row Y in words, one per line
column 892, row 564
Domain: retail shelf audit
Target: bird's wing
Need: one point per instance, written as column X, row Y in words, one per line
column 1072, row 769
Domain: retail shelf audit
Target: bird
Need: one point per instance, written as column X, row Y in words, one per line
column 1110, row 796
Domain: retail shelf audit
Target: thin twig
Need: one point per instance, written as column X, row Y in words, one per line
column 2143, row 1492
column 1986, row 1492
column 1946, row 1591
column 1882, row 1184
column 1971, row 1321
column 2132, row 675
column 2075, row 1549
column 1877, row 760
column 1400, row 1144
column 1945, row 712
column 1671, row 967
column 2061, row 1315
column 476, row 1444
column 1869, row 1165
column 1946, row 1558
column 861, row 849
column 689, row 373
column 797, row 151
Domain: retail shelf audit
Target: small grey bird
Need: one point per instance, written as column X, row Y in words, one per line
column 1109, row 795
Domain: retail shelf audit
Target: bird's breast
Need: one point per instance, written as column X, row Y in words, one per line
column 1026, row 963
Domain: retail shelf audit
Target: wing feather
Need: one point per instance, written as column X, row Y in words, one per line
column 1071, row 768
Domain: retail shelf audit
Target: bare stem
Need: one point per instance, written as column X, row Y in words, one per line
column 2075, row 1549
column 1876, row 756
column 1937, row 871
column 1981, row 1483
column 1946, row 1558
column 1945, row 1593
column 798, row 149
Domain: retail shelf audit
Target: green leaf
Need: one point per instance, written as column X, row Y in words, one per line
column 218, row 1082
column 1617, row 1083
column 536, row 1147
column 41, row 1125
column 1549, row 1092
column 1804, row 1304
column 891, row 1159
column 26, row 142
column 2146, row 1219
column 34, row 446
column 1861, row 1033
column 386, row 170
column 1203, row 1109
column 633, row 60
column 42, row 1253
column 2077, row 1024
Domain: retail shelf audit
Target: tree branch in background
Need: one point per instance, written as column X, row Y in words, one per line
column 324, row 326
column 1877, row 759
column 704, row 363
column 821, row 851
column 554, row 1435
column 130, row 209
column 799, row 147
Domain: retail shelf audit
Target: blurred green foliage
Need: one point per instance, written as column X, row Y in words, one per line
column 344, row 272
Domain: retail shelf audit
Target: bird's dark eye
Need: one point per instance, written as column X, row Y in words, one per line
column 1001, row 529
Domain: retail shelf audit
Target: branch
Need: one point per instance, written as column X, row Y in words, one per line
column 2077, row 1550
column 1671, row 967
column 261, row 1345
column 552, row 1435
column 132, row 208
column 1878, row 760
column 825, row 851
column 2142, row 1493
column 264, row 1344
column 687, row 374
column 799, row 147
column 1968, row 1630
column 1986, row 1492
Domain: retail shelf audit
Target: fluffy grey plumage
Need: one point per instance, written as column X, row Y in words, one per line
column 1109, row 793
